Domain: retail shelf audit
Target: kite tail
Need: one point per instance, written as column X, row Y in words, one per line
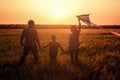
column 110, row 31
column 114, row 33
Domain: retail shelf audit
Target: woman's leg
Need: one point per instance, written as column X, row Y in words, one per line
column 76, row 55
column 72, row 55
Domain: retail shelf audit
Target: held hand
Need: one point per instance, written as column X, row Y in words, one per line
column 22, row 44
column 40, row 47
column 64, row 51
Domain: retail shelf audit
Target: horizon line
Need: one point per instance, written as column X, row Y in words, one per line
column 65, row 24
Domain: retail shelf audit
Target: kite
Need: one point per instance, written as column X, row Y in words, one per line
column 85, row 18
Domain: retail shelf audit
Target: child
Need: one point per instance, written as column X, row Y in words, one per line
column 53, row 48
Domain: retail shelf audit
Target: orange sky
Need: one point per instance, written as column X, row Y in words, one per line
column 59, row 11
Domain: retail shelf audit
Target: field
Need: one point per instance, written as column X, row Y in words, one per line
column 99, row 57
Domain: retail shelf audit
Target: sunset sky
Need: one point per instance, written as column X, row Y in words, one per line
column 59, row 11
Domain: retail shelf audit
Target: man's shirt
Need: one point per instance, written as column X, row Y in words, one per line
column 31, row 36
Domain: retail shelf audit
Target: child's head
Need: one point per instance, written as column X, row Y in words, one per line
column 73, row 28
column 53, row 37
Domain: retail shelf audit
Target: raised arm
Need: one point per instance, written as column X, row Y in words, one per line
column 79, row 29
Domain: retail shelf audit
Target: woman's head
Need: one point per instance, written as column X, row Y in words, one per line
column 73, row 28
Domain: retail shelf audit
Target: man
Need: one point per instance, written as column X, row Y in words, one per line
column 74, row 42
column 29, row 39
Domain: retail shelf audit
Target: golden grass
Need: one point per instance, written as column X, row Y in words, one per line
column 99, row 57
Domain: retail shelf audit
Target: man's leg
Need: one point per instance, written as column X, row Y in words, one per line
column 35, row 53
column 25, row 52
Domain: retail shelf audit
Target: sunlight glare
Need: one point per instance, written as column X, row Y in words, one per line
column 58, row 13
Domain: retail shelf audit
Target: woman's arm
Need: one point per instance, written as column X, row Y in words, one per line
column 61, row 47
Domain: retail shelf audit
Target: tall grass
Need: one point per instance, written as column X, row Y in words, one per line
column 99, row 57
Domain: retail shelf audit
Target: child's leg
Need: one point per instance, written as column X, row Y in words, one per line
column 53, row 56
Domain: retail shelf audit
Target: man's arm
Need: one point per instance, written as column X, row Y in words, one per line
column 38, row 40
column 22, row 38
column 46, row 45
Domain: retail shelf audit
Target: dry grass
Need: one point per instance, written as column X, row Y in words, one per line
column 99, row 57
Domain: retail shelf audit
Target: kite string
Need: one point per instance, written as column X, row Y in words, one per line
column 110, row 31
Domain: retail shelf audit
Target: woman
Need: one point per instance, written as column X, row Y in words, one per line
column 74, row 42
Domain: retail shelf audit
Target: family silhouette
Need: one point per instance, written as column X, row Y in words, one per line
column 30, row 40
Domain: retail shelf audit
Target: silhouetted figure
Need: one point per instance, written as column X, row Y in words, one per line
column 29, row 39
column 74, row 42
column 53, row 48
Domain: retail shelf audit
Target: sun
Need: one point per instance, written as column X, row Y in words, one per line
column 58, row 13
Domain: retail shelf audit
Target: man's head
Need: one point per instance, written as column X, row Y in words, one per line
column 53, row 37
column 31, row 23
column 73, row 28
